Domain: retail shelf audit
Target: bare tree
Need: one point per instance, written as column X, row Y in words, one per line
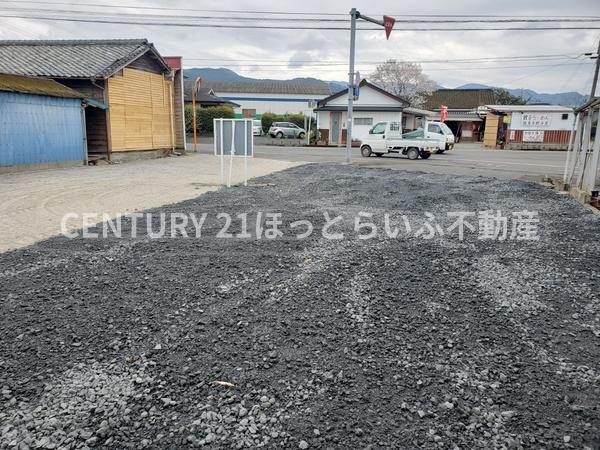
column 405, row 80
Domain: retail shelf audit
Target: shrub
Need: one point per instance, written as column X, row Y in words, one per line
column 205, row 116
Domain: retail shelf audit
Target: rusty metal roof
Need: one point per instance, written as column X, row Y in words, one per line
column 36, row 86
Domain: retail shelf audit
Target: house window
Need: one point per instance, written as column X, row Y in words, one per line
column 565, row 116
column 249, row 113
column 363, row 121
column 394, row 126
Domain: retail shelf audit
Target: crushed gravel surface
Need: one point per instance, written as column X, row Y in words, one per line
column 314, row 343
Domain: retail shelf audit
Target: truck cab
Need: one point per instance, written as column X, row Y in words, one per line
column 441, row 131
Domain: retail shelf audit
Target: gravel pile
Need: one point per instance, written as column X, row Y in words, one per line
column 315, row 343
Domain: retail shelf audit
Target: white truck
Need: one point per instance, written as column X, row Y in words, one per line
column 386, row 137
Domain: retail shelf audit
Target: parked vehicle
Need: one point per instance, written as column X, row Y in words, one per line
column 435, row 130
column 386, row 137
column 257, row 128
column 287, row 129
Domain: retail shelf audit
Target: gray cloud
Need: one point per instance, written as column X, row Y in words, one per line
column 291, row 47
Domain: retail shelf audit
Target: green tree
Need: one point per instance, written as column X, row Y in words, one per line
column 503, row 97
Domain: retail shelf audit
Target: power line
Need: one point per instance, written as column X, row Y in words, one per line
column 260, row 67
column 299, row 19
column 430, row 61
column 277, row 27
column 293, row 13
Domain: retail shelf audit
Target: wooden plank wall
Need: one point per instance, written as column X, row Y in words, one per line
column 490, row 135
column 140, row 111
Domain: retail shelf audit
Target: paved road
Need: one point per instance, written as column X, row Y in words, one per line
column 465, row 159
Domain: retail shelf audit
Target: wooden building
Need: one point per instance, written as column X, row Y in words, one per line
column 130, row 82
column 463, row 105
column 528, row 127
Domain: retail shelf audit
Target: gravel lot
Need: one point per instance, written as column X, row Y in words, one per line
column 316, row 343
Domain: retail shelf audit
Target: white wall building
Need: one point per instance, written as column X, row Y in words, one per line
column 259, row 97
column 373, row 105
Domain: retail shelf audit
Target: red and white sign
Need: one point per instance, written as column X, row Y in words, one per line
column 388, row 23
column 443, row 113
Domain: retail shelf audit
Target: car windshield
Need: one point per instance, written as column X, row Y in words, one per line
column 445, row 128
column 256, row 123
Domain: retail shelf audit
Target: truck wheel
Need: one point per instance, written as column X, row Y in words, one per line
column 379, row 155
column 412, row 153
column 365, row 151
column 425, row 155
column 439, row 152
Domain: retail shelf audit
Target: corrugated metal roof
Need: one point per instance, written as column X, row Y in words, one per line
column 460, row 98
column 36, row 86
column 205, row 95
column 269, row 87
column 530, row 108
column 70, row 58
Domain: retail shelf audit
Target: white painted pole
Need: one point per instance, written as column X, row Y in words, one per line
column 570, row 147
column 593, row 166
column 587, row 135
column 232, row 152
column 576, row 150
column 246, row 150
column 222, row 128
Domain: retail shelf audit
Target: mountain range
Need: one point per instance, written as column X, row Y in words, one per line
column 222, row 74
column 560, row 98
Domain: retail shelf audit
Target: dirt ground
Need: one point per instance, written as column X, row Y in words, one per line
column 32, row 204
column 388, row 342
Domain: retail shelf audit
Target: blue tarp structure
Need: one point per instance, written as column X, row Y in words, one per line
column 36, row 129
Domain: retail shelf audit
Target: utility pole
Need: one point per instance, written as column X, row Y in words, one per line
column 595, row 80
column 388, row 24
column 354, row 14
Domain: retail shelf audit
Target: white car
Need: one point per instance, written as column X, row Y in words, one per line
column 257, row 128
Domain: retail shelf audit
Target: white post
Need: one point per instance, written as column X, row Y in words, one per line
column 585, row 146
column 309, row 128
column 570, row 148
column 222, row 128
column 351, row 75
column 576, row 150
column 593, row 166
column 246, row 150
column 232, row 152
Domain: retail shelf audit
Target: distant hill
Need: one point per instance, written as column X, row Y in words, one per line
column 561, row 98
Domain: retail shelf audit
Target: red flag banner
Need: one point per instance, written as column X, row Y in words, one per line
column 443, row 113
column 388, row 23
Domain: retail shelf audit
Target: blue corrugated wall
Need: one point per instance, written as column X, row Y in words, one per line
column 39, row 129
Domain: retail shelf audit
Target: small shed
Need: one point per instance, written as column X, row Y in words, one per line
column 41, row 124
column 528, row 127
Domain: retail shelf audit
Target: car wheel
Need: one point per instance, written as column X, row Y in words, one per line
column 279, row 135
column 412, row 153
column 301, row 135
column 439, row 152
column 425, row 155
column 365, row 151
column 379, row 155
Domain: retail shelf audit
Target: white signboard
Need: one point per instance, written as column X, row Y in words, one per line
column 536, row 120
column 533, row 136
column 234, row 138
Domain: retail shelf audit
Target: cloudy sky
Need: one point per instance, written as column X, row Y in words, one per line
column 285, row 53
